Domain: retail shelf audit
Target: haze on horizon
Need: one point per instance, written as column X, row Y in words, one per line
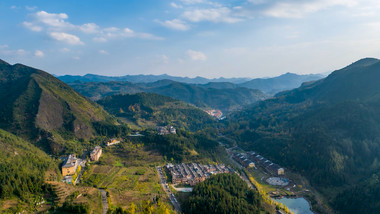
column 228, row 38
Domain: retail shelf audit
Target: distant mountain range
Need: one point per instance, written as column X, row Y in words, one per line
column 270, row 86
column 329, row 130
column 216, row 95
column 147, row 78
column 284, row 82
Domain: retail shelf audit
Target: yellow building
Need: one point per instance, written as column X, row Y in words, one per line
column 70, row 166
column 113, row 141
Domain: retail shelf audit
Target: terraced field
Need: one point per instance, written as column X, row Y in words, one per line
column 128, row 176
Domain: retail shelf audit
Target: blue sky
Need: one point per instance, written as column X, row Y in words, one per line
column 231, row 38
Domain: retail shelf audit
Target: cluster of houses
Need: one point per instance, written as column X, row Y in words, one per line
column 163, row 130
column 194, row 173
column 215, row 113
column 266, row 164
column 72, row 163
column 243, row 160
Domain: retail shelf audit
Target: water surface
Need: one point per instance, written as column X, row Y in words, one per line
column 296, row 205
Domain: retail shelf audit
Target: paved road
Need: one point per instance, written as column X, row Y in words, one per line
column 104, row 201
column 174, row 201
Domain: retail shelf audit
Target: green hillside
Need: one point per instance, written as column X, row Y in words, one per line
column 39, row 107
column 223, row 96
column 327, row 130
column 150, row 110
column 23, row 169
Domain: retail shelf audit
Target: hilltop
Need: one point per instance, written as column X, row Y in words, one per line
column 43, row 109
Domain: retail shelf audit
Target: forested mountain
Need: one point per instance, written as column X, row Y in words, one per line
column 328, row 130
column 146, row 79
column 148, row 109
column 224, row 193
column 270, row 85
column 39, row 107
column 284, row 82
column 22, row 168
column 223, row 97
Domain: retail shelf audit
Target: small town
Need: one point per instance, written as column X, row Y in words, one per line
column 194, row 173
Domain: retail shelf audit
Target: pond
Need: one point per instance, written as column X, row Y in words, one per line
column 296, row 205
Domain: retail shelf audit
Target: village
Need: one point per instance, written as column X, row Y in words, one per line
column 73, row 167
column 193, row 173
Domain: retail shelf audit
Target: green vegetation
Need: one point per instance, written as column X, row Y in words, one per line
column 38, row 107
column 184, row 146
column 204, row 96
column 224, row 193
column 23, row 169
column 128, row 172
column 144, row 109
column 327, row 130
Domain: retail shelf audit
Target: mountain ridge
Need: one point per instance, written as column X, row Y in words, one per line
column 327, row 129
column 38, row 106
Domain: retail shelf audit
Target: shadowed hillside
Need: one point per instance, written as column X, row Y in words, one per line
column 328, row 130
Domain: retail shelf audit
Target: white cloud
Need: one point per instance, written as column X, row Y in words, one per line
column 176, row 5
column 39, row 53
column 222, row 14
column 90, row 28
column 56, row 20
column 66, row 38
column 175, row 24
column 116, row 33
column 32, row 26
column 296, row 9
column 56, row 26
column 104, row 52
column 193, row 1
column 76, row 57
column 196, row 55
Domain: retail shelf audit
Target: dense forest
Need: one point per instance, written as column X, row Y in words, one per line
column 38, row 107
column 22, row 168
column 223, row 193
column 327, row 130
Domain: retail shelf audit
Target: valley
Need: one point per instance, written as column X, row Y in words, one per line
column 311, row 143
